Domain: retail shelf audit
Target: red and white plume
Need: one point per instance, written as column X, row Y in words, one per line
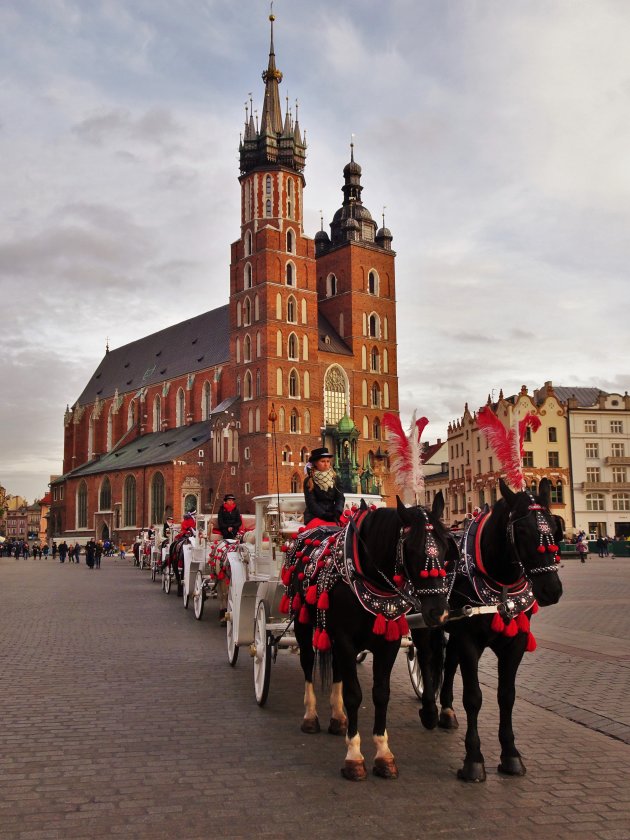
column 507, row 443
column 407, row 456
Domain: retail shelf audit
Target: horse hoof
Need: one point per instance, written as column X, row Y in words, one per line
column 428, row 718
column 512, row 766
column 448, row 719
column 310, row 726
column 472, row 771
column 338, row 727
column 385, row 768
column 354, row 770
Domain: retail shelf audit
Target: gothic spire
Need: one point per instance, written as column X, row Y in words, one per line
column 271, row 122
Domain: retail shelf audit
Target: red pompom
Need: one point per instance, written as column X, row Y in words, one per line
column 531, row 645
column 541, row 549
column 320, row 564
column 323, row 603
column 398, row 580
column 392, row 631
column 372, row 507
column 442, row 573
column 403, row 625
column 424, row 574
column 303, row 528
column 510, row 629
column 522, row 622
column 300, row 575
column 308, row 541
column 317, row 542
column 535, row 608
column 497, row 623
column 297, row 602
column 285, row 604
column 380, row 625
column 323, row 642
column 434, row 573
column 304, row 615
column 311, row 595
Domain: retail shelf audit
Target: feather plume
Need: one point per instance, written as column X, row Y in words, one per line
column 507, row 443
column 406, row 455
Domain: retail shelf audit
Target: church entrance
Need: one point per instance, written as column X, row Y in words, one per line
column 105, row 533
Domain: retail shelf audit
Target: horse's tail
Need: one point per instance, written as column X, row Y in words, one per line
column 323, row 663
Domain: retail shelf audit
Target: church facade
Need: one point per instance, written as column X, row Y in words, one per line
column 233, row 400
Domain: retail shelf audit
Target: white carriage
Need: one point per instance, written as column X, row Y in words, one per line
column 255, row 589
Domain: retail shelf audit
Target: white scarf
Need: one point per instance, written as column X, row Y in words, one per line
column 324, row 480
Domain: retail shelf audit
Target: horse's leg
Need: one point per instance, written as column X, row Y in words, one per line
column 354, row 765
column 424, row 651
column 304, row 638
column 509, row 660
column 383, row 662
column 473, row 769
column 338, row 721
column 448, row 718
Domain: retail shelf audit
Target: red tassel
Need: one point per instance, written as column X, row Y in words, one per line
column 286, row 575
column 497, row 624
column 297, row 602
column 311, row 595
column 541, row 549
column 316, row 636
column 285, row 605
column 510, row 629
column 221, row 575
column 323, row 602
column 403, row 625
column 323, row 642
column 534, row 607
column 398, row 580
column 304, row 615
column 522, row 622
column 380, row 625
column 392, row 632
column 531, row 645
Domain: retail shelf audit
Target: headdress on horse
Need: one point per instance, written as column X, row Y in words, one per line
column 507, row 442
column 407, row 455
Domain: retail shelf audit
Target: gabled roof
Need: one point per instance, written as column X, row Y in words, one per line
column 192, row 345
column 154, row 448
column 585, row 397
column 328, row 339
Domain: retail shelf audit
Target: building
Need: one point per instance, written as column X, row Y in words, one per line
column 303, row 354
column 34, row 513
column 17, row 524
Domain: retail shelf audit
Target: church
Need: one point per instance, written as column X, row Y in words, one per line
column 233, row 400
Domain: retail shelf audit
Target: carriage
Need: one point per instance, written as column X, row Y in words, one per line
column 254, row 592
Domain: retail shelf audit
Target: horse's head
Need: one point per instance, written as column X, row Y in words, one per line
column 427, row 546
column 533, row 537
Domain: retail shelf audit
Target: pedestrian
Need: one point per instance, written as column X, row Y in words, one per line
column 600, row 546
column 98, row 553
column 323, row 496
column 606, row 542
column 77, row 552
column 582, row 547
column 90, row 547
column 46, row 550
column 122, row 551
column 54, row 549
column 63, row 550
column 229, row 519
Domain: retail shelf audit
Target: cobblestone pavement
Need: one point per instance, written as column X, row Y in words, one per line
column 122, row 718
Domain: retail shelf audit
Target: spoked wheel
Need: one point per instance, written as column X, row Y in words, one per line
column 185, row 595
column 232, row 647
column 167, row 581
column 262, row 655
column 141, row 563
column 415, row 674
column 153, row 572
column 198, row 598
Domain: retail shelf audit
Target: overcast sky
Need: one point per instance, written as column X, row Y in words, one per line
column 497, row 134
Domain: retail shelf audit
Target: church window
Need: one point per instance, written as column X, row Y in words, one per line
column 385, row 328
column 373, row 283
column 268, row 185
column 248, row 276
column 305, row 348
column 307, row 385
column 335, row 395
column 374, row 360
column 257, row 419
column 256, row 308
column 294, row 422
column 375, row 394
column 279, row 344
column 386, row 395
column 110, row 428
column 364, row 324
column 294, row 383
column 180, row 408
column 250, row 421
column 131, row 414
column 129, row 502
column 247, row 349
column 279, row 382
column 279, row 306
column 247, row 386
column 206, row 401
column 157, row 498
column 307, row 421
column 238, row 386
column 367, row 232
column 290, row 274
column 295, row 483
column 376, row 429
column 364, row 390
column 258, row 346
column 105, row 496
column 281, row 419
column 293, row 347
column 290, row 241
column 247, row 312
column 292, row 310
column 303, row 455
column 303, row 311
column 373, row 325
column 331, row 285
column 238, row 351
column 248, row 242
column 258, row 391
column 238, row 314
column 363, row 357
column 385, row 360
column 82, row 505
column 366, row 428
column 268, row 208
column 157, row 414
column 286, row 455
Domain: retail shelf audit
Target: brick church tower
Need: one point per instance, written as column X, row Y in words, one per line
column 312, row 322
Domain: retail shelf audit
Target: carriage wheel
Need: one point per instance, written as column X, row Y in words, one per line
column 198, row 598
column 262, row 655
column 153, row 572
column 415, row 674
column 141, row 562
column 185, row 595
column 167, row 581
column 232, row 647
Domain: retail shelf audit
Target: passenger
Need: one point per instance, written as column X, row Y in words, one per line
column 189, row 523
column 229, row 519
column 322, row 491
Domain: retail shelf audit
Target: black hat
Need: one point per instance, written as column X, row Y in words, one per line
column 322, row 452
column 228, row 497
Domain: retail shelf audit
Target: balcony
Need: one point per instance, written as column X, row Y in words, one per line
column 601, row 486
column 617, row 461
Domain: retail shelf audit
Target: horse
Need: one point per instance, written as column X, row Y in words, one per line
column 508, row 559
column 175, row 558
column 350, row 594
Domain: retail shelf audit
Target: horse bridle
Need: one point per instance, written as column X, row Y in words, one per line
column 432, row 566
column 545, row 540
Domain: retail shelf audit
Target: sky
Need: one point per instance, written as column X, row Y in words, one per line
column 495, row 134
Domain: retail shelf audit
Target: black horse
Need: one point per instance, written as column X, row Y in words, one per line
column 508, row 558
column 385, row 563
column 175, row 559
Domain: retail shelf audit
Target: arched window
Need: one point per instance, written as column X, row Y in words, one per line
column 247, row 312
column 290, row 198
column 82, row 505
column 268, row 208
column 257, row 419
column 248, row 243
column 295, row 483
column 238, row 350
column 247, row 282
column 180, row 408
column 374, row 359
column 595, row 501
column 268, row 185
column 621, row 501
column 90, row 452
column 190, row 503
column 206, row 401
column 258, row 388
column 294, row 422
column 373, row 331
column 256, row 308
column 157, row 413
column 290, row 241
column 364, row 390
column 129, row 502
column 293, row 347
column 250, row 421
column 366, row 428
column 279, row 381
column 157, row 498
column 292, row 310
column 385, row 360
column 375, row 393
column 294, row 383
column 385, row 328
column 281, row 419
column 279, row 306
column 290, row 274
column 303, row 310
column 286, row 455
column 303, row 455
column 258, row 345
column 335, row 395
column 247, row 392
column 131, row 412
column 105, row 496
column 331, row 285
column 373, row 283
column 247, row 349
column 376, row 429
column 239, row 316
column 238, row 386
column 307, row 421
column 110, row 428
column 305, row 348
column 385, row 395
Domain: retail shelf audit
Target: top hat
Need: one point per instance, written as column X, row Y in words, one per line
column 322, row 452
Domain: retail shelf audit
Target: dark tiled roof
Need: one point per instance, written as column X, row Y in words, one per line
column 335, row 344
column 154, row 448
column 585, row 396
column 187, row 347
